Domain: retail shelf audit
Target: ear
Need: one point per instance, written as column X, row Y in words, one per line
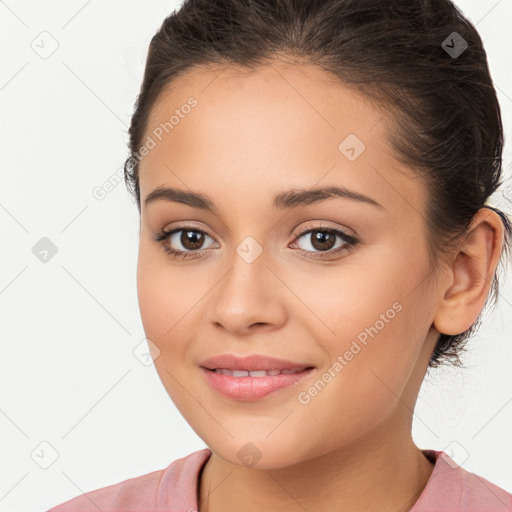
column 470, row 274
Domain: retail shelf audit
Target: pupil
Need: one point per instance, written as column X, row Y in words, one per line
column 323, row 238
column 192, row 239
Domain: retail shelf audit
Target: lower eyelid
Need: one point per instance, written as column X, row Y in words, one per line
column 178, row 230
column 349, row 241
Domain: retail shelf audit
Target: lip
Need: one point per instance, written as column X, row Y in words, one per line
column 251, row 363
column 252, row 388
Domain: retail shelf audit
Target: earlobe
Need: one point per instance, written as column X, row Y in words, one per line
column 470, row 274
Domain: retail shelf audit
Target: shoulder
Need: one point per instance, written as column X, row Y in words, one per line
column 451, row 488
column 175, row 486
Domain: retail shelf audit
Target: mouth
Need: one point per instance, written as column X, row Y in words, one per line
column 252, row 377
column 252, row 363
column 257, row 373
column 252, row 385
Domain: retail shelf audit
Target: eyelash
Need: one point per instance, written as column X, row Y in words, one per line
column 163, row 238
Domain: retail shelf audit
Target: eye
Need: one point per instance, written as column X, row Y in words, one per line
column 322, row 240
column 191, row 240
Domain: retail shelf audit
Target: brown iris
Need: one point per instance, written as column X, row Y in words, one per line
column 194, row 238
column 323, row 240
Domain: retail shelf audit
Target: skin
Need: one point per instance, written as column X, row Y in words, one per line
column 253, row 135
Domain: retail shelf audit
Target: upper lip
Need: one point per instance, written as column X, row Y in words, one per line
column 251, row 363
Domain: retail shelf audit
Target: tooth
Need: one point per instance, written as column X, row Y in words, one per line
column 255, row 373
column 258, row 373
column 240, row 373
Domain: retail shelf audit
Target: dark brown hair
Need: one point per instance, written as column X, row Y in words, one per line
column 446, row 118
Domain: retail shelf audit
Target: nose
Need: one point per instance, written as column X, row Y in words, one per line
column 247, row 297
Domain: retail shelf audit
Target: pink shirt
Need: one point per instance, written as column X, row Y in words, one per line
column 174, row 489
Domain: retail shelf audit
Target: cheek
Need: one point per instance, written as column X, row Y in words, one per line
column 170, row 302
column 162, row 303
column 372, row 325
column 374, row 298
column 153, row 299
column 163, row 290
column 351, row 301
column 157, row 296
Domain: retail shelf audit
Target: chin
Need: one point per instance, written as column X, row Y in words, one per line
column 264, row 454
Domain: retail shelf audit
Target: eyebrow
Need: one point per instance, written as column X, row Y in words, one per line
column 284, row 200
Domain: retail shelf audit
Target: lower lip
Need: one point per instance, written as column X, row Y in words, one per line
column 251, row 388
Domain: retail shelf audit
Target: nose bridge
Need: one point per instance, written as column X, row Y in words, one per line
column 248, row 275
column 246, row 293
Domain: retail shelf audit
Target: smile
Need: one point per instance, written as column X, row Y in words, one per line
column 255, row 373
column 255, row 384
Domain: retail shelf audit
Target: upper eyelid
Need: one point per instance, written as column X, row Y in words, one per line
column 303, row 231
column 350, row 242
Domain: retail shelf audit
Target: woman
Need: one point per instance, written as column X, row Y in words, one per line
column 312, row 179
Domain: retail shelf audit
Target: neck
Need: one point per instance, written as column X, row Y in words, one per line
column 382, row 470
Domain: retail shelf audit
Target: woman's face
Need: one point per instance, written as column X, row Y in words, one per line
column 254, row 283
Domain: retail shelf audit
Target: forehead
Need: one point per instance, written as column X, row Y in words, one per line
column 277, row 126
column 277, row 91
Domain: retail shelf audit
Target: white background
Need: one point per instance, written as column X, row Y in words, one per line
column 69, row 326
